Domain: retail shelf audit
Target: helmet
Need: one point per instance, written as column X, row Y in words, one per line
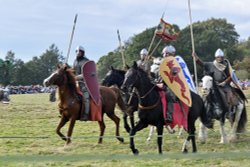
column 219, row 53
column 80, row 48
column 168, row 49
column 143, row 53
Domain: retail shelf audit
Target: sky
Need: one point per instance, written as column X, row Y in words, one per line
column 29, row 27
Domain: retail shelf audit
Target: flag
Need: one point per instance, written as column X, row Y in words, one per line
column 166, row 31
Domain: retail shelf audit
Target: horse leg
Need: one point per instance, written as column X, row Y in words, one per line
column 126, row 126
column 159, row 138
column 238, row 108
column 202, row 133
column 102, row 129
column 117, row 121
column 150, row 134
column 62, row 122
column 140, row 125
column 170, row 130
column 223, row 134
column 132, row 121
column 70, row 130
column 191, row 135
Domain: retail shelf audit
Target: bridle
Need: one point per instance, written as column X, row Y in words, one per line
column 145, row 95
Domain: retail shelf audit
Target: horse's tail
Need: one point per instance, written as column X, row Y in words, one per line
column 243, row 120
column 120, row 101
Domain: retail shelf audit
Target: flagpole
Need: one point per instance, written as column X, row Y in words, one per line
column 193, row 48
column 151, row 54
column 151, row 43
column 121, row 49
column 71, row 38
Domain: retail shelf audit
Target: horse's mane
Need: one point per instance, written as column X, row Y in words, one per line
column 143, row 72
column 119, row 71
column 71, row 79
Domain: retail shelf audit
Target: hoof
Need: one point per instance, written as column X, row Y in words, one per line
column 121, row 139
column 148, row 140
column 185, row 151
column 136, row 152
column 233, row 138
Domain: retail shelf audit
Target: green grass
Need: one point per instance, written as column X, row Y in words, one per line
column 28, row 138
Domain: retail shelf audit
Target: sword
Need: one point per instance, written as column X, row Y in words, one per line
column 71, row 38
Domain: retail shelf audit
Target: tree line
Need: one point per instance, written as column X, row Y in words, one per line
column 15, row 72
column 208, row 36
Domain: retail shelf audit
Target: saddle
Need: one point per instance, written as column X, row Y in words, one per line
column 95, row 110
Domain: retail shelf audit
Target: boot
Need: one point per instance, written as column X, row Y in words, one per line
column 84, row 110
column 169, row 117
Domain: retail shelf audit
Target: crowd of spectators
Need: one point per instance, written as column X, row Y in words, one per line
column 245, row 84
column 27, row 89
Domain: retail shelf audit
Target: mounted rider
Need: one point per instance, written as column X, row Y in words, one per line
column 80, row 60
column 219, row 70
column 170, row 96
column 144, row 63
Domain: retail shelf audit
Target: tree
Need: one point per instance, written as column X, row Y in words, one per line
column 41, row 67
column 7, row 68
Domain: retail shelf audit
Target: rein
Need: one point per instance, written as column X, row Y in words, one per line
column 148, row 92
column 149, row 107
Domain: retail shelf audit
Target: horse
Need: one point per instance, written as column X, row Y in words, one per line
column 150, row 109
column 116, row 77
column 216, row 111
column 70, row 103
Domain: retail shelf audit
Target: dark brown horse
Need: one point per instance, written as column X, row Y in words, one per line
column 70, row 103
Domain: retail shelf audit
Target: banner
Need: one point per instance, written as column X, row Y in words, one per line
column 166, row 31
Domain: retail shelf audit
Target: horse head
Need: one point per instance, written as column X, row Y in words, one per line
column 207, row 84
column 113, row 77
column 60, row 76
column 131, row 78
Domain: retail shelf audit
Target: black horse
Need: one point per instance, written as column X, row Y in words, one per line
column 150, row 110
column 116, row 77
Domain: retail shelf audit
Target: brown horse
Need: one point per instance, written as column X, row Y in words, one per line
column 70, row 103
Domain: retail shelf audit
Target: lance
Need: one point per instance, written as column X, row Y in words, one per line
column 192, row 41
column 121, row 49
column 71, row 39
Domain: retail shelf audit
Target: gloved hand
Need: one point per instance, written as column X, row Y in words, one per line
column 222, row 83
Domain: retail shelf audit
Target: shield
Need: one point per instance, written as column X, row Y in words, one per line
column 91, row 81
column 172, row 75
column 186, row 73
column 234, row 78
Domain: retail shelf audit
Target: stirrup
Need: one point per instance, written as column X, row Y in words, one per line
column 84, row 118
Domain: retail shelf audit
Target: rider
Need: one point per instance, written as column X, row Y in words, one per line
column 219, row 70
column 80, row 60
column 171, row 98
column 144, row 63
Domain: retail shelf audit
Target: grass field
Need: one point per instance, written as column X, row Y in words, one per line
column 28, row 138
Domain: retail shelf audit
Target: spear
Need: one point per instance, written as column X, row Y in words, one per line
column 71, row 39
column 121, row 49
column 193, row 48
